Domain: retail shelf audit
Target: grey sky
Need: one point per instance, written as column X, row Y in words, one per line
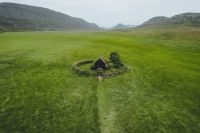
column 110, row 12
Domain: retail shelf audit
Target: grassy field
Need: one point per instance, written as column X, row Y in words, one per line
column 39, row 93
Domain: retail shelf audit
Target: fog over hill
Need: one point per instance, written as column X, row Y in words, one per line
column 122, row 26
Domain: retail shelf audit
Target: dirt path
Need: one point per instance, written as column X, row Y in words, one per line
column 106, row 112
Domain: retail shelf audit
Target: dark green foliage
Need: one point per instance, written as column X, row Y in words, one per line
column 115, row 59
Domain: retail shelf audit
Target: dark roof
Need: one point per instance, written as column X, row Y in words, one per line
column 101, row 60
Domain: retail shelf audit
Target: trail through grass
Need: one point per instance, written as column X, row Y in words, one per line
column 40, row 93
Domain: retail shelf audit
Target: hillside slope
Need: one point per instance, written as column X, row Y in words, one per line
column 122, row 26
column 185, row 19
column 18, row 17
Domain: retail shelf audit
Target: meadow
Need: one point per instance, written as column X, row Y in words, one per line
column 39, row 92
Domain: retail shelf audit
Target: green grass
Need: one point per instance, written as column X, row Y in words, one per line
column 39, row 93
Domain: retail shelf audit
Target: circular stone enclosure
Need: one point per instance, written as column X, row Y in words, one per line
column 84, row 68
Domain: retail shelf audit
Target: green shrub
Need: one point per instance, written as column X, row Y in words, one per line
column 115, row 59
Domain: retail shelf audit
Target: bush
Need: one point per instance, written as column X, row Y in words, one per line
column 115, row 59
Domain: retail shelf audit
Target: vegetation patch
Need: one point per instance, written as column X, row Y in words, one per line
column 101, row 67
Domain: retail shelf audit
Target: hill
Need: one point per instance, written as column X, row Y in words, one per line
column 19, row 17
column 185, row 19
column 122, row 26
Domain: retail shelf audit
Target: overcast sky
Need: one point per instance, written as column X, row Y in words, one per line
column 110, row 12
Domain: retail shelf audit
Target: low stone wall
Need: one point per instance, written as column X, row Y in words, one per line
column 116, row 72
column 106, row 74
column 76, row 68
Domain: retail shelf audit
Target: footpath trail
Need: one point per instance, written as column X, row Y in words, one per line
column 105, row 110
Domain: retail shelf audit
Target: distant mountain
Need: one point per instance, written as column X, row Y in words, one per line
column 19, row 17
column 185, row 19
column 122, row 26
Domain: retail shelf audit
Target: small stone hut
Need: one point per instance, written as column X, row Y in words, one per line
column 100, row 64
